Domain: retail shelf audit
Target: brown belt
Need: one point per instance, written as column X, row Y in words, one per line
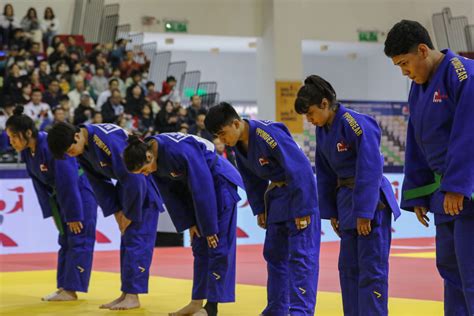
column 271, row 186
column 350, row 183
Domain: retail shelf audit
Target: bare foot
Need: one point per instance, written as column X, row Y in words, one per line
column 201, row 312
column 193, row 307
column 129, row 302
column 114, row 302
column 61, row 296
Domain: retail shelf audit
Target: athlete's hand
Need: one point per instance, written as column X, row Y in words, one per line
column 262, row 220
column 212, row 241
column 75, row 227
column 363, row 226
column 335, row 225
column 453, row 203
column 122, row 221
column 302, row 222
column 193, row 231
column 420, row 212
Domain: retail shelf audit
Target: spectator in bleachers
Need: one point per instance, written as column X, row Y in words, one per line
column 135, row 101
column 116, row 74
column 113, row 108
column 169, row 90
column 97, row 118
column 72, row 47
column 31, row 24
column 44, row 73
column 153, row 97
column 8, row 23
column 59, row 54
column 49, row 26
column 20, row 41
column 99, row 82
column 64, row 84
column 84, row 112
column 13, row 82
column 113, row 84
column 199, row 128
column 128, row 65
column 58, row 116
column 35, row 81
column 60, row 70
column 225, row 151
column 65, row 104
column 183, row 116
column 151, row 93
column 146, row 121
column 75, row 94
column 134, row 79
column 52, row 95
column 25, row 95
column 167, row 120
column 184, row 128
column 194, row 108
column 33, row 56
column 5, row 112
column 36, row 109
column 117, row 55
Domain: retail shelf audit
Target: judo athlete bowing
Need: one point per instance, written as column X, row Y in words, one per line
column 439, row 164
column 353, row 194
column 199, row 189
column 281, row 189
column 65, row 194
column 134, row 199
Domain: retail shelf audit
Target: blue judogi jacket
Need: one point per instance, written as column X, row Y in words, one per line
column 440, row 137
column 56, row 177
column 102, row 162
column 273, row 155
column 189, row 175
column 350, row 148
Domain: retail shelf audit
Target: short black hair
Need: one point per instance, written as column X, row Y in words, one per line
column 170, row 78
column 219, row 116
column 21, row 123
column 63, row 97
column 112, row 80
column 404, row 37
column 149, row 84
column 134, row 155
column 60, row 138
column 58, row 108
column 314, row 90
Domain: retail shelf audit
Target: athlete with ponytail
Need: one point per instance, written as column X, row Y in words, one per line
column 353, row 194
column 199, row 188
column 65, row 194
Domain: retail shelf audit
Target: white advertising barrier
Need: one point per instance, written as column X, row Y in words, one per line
column 406, row 226
column 23, row 229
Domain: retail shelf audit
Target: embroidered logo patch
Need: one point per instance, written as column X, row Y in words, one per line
column 341, row 146
column 43, row 168
column 175, row 174
column 438, row 97
column 263, row 161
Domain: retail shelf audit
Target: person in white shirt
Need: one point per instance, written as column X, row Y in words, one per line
column 8, row 23
column 75, row 94
column 37, row 110
column 49, row 26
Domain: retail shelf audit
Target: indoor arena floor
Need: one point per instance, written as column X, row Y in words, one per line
column 415, row 286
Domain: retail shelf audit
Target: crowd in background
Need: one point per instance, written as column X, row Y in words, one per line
column 56, row 79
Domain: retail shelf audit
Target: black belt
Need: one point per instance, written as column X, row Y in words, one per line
column 350, row 183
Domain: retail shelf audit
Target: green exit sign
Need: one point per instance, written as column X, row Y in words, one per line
column 176, row 26
column 368, row 36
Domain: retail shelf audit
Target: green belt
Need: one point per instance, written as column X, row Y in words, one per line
column 425, row 190
column 55, row 208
